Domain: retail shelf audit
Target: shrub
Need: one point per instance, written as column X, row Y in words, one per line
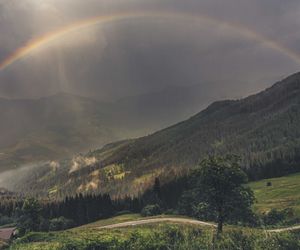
column 151, row 210
column 44, row 225
column 60, row 223
column 275, row 216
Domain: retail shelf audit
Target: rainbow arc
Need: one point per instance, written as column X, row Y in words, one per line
column 47, row 38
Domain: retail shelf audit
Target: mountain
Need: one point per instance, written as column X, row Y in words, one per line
column 263, row 129
column 58, row 126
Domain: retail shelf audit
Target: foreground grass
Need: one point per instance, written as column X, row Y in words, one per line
column 283, row 193
column 158, row 236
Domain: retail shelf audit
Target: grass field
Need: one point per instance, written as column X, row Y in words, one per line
column 152, row 236
column 158, row 236
column 283, row 193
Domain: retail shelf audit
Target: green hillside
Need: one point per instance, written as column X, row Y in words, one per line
column 158, row 236
column 284, row 192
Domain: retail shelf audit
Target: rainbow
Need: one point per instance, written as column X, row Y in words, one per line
column 47, row 38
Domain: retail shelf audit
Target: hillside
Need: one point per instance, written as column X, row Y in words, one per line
column 283, row 192
column 159, row 235
column 263, row 129
column 58, row 126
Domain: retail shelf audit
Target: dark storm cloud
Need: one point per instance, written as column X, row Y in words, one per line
column 135, row 56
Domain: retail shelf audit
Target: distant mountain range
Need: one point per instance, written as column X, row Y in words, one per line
column 61, row 125
column 264, row 129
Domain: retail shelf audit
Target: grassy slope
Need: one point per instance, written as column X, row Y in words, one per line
column 124, row 218
column 284, row 193
column 114, row 220
column 89, row 234
column 156, row 236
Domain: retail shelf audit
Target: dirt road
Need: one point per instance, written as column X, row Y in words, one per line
column 185, row 221
column 155, row 220
column 278, row 230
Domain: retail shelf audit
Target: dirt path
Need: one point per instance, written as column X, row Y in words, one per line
column 283, row 229
column 155, row 220
column 183, row 220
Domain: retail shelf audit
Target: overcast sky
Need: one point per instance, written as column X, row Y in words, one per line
column 140, row 55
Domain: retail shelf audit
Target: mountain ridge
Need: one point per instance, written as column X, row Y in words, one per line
column 262, row 128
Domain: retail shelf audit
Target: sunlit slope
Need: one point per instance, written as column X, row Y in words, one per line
column 281, row 193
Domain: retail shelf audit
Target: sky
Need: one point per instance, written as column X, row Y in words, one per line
column 237, row 46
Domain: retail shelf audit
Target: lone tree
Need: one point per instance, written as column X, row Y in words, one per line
column 221, row 180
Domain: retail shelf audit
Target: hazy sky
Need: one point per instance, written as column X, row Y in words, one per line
column 137, row 55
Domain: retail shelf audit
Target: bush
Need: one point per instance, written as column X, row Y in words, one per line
column 275, row 216
column 151, row 210
column 171, row 212
column 44, row 225
column 60, row 223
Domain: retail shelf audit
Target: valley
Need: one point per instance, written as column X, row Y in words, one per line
column 149, row 125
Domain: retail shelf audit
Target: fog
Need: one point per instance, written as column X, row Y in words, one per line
column 9, row 179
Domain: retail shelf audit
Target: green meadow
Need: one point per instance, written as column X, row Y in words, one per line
column 284, row 192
